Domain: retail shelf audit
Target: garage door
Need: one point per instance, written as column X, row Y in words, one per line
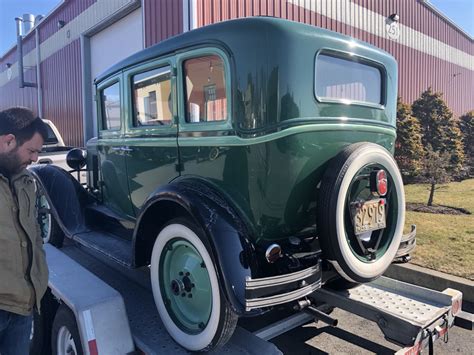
column 115, row 43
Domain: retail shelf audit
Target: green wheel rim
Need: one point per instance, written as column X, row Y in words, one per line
column 185, row 286
column 360, row 189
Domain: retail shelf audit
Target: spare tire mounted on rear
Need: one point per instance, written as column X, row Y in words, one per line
column 351, row 212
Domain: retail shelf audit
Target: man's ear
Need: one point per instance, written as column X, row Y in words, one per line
column 7, row 143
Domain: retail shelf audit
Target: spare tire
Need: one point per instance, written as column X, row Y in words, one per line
column 347, row 187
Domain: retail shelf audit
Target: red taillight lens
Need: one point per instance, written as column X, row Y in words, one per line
column 381, row 182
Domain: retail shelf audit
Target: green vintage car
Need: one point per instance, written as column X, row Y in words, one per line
column 248, row 163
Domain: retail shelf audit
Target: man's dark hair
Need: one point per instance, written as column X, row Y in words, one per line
column 22, row 123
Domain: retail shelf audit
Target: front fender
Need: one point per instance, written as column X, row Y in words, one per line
column 66, row 197
column 232, row 252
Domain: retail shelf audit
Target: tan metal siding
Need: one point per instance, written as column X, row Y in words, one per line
column 12, row 95
column 67, row 12
column 419, row 17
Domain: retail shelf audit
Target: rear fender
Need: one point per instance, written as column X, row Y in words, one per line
column 66, row 197
column 231, row 250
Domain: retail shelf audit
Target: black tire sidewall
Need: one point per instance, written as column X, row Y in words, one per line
column 65, row 317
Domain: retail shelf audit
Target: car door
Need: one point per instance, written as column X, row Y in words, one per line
column 111, row 148
column 204, row 118
column 151, row 130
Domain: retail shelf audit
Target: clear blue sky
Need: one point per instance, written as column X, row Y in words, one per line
column 460, row 11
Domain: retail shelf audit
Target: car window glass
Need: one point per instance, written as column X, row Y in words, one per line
column 152, row 98
column 345, row 79
column 111, row 107
column 206, row 98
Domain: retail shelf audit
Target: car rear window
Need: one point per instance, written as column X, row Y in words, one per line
column 51, row 139
column 347, row 79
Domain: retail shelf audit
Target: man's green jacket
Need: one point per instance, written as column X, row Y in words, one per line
column 23, row 269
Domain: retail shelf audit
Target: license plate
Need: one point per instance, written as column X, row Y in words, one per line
column 369, row 216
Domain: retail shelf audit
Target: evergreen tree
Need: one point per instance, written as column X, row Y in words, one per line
column 408, row 146
column 466, row 125
column 439, row 128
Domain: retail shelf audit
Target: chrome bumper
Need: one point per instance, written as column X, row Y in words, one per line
column 407, row 244
column 274, row 290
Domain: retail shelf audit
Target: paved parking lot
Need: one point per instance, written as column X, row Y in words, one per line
column 355, row 335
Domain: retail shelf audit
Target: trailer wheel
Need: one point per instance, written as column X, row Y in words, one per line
column 37, row 334
column 50, row 230
column 186, row 289
column 346, row 183
column 40, row 336
column 65, row 337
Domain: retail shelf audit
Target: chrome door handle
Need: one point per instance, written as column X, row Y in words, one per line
column 122, row 149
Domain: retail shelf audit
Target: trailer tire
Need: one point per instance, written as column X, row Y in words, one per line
column 344, row 182
column 65, row 334
column 49, row 227
column 37, row 341
column 186, row 289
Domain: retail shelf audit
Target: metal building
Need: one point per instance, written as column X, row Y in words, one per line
column 78, row 39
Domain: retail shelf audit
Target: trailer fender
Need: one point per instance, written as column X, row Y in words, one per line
column 233, row 254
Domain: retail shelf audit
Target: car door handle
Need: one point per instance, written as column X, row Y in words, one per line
column 122, row 149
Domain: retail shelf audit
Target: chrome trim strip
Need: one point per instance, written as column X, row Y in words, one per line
column 252, row 284
column 281, row 298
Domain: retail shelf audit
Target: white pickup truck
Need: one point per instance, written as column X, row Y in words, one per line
column 54, row 150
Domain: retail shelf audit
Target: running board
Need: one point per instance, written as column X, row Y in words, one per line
column 406, row 314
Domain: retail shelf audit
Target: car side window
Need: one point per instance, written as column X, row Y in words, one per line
column 206, row 97
column 152, row 99
column 110, row 99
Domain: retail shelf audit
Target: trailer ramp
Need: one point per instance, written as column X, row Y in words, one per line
column 408, row 315
column 148, row 331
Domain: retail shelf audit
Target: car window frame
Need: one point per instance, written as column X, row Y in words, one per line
column 130, row 129
column 109, row 133
column 350, row 56
column 222, row 125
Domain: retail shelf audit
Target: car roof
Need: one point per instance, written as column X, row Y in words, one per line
column 239, row 34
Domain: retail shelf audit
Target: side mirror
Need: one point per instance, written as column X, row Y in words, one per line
column 76, row 158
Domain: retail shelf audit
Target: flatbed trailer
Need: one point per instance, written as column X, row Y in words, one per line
column 115, row 313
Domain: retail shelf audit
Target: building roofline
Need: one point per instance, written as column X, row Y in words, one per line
column 438, row 12
column 52, row 11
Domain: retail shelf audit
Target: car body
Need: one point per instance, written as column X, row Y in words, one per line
column 243, row 162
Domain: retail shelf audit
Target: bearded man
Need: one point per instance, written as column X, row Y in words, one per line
column 23, row 270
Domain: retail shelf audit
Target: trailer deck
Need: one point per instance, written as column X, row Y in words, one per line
column 408, row 315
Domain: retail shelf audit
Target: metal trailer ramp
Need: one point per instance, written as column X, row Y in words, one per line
column 148, row 331
column 408, row 315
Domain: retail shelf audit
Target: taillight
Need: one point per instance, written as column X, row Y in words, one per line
column 381, row 184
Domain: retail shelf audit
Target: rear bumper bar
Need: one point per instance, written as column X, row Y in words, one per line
column 407, row 244
column 274, row 290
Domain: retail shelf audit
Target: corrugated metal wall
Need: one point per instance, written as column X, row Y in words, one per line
column 61, row 67
column 417, row 69
column 163, row 19
column 62, row 97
